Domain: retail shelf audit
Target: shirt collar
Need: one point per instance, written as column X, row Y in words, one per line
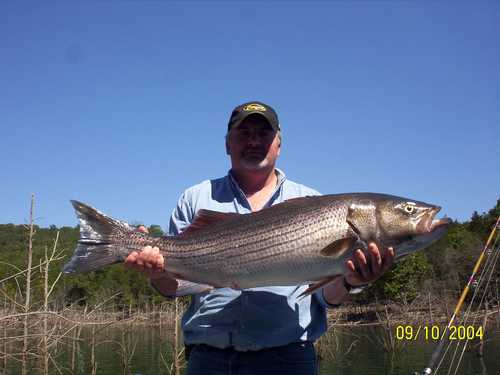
column 279, row 173
column 236, row 188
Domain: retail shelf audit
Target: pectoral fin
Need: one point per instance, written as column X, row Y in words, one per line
column 338, row 248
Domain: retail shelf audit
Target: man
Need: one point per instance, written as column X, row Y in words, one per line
column 265, row 330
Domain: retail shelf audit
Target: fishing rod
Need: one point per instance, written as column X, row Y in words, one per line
column 439, row 348
column 485, row 277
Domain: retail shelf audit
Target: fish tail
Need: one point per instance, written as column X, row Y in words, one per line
column 98, row 245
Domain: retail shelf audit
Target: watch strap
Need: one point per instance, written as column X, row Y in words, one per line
column 351, row 289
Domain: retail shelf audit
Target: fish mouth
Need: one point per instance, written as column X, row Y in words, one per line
column 437, row 224
column 429, row 224
column 429, row 230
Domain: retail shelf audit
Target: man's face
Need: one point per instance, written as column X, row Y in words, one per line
column 253, row 144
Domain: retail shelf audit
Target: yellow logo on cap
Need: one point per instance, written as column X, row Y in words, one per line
column 254, row 107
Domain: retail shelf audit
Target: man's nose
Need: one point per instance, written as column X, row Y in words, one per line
column 254, row 138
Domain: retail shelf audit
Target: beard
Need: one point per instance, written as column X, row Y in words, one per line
column 255, row 165
column 254, row 160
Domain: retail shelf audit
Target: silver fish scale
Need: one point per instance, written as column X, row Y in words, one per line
column 282, row 245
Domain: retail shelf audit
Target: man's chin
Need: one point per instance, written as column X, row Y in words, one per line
column 255, row 165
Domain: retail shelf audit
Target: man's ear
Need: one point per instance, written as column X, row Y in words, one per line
column 227, row 147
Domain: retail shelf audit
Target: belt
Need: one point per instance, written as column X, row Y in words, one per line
column 188, row 348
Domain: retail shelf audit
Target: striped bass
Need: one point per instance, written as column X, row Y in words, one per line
column 299, row 241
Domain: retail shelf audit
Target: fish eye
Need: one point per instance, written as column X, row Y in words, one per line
column 409, row 208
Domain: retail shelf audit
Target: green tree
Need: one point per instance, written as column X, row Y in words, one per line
column 403, row 282
column 155, row 230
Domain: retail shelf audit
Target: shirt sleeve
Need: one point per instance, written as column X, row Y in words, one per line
column 182, row 215
column 180, row 219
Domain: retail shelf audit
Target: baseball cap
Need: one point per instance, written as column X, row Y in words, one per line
column 244, row 110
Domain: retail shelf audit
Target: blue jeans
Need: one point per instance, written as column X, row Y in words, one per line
column 292, row 359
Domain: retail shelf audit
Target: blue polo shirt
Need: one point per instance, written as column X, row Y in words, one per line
column 248, row 319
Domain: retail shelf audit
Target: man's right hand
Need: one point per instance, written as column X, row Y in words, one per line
column 150, row 262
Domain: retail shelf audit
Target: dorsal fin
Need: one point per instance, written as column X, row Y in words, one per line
column 205, row 218
column 298, row 201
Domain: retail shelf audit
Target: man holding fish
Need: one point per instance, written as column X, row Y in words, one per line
column 265, row 329
column 262, row 256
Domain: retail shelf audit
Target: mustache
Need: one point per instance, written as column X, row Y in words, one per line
column 255, row 150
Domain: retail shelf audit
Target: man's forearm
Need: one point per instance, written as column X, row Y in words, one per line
column 335, row 292
column 166, row 286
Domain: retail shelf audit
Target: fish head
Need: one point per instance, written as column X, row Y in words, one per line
column 408, row 225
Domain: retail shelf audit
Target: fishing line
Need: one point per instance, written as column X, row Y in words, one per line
column 487, row 269
column 450, row 343
column 479, row 306
column 491, row 266
column 436, row 354
column 464, row 319
column 487, row 272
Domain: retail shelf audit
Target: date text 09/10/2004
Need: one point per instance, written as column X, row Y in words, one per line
column 434, row 332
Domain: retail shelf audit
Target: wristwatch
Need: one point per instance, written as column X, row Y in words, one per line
column 351, row 289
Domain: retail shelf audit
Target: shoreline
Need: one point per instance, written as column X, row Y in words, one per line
column 346, row 315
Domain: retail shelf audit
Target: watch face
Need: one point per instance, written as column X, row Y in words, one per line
column 354, row 289
column 357, row 289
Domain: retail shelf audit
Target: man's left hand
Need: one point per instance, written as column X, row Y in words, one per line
column 362, row 270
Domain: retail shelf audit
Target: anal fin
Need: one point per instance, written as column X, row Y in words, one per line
column 317, row 285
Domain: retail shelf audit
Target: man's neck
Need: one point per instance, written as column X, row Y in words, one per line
column 252, row 182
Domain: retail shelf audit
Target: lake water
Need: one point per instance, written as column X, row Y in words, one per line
column 350, row 350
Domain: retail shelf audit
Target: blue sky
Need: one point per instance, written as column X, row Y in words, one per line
column 123, row 105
